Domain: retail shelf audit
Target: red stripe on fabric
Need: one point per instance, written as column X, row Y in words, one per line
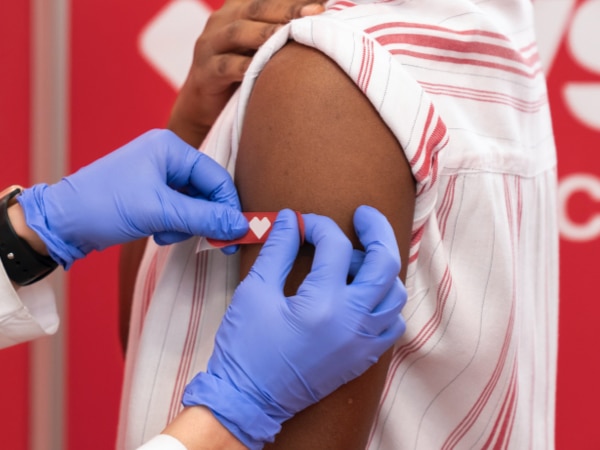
column 415, row 241
column 468, row 61
column 366, row 65
column 489, row 101
column 535, row 56
column 369, row 71
column 361, row 71
column 149, row 287
column 485, row 97
column 458, row 46
column 422, row 26
column 502, row 427
column 413, row 257
column 443, row 292
column 434, row 167
column 432, row 324
column 519, row 194
column 446, row 206
column 422, row 146
column 474, row 412
column 338, row 6
column 507, row 427
column 467, row 422
column 430, row 143
column 417, row 342
column 511, row 421
column 191, row 335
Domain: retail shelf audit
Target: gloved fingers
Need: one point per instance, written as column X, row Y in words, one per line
column 278, row 253
column 358, row 258
column 230, row 249
column 213, row 181
column 333, row 251
column 170, row 237
column 199, row 217
column 388, row 337
column 382, row 258
column 386, row 312
column 186, row 166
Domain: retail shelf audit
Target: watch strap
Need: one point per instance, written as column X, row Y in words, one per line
column 22, row 263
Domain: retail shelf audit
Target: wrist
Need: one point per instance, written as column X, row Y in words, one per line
column 19, row 224
column 22, row 252
column 198, row 429
column 46, row 215
column 188, row 120
column 236, row 411
column 189, row 131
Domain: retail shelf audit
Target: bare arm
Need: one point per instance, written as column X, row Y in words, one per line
column 312, row 142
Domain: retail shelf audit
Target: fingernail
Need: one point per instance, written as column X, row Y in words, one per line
column 230, row 250
column 311, row 10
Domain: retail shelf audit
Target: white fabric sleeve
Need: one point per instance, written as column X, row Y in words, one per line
column 163, row 442
column 26, row 313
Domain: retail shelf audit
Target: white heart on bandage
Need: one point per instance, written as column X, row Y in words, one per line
column 260, row 226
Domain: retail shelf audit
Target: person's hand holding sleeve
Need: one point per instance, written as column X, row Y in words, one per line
column 222, row 53
column 275, row 355
column 155, row 185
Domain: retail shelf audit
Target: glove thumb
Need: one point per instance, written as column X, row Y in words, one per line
column 277, row 255
column 185, row 215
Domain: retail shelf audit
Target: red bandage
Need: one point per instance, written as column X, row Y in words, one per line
column 260, row 228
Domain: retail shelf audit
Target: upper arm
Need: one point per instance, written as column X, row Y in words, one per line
column 311, row 141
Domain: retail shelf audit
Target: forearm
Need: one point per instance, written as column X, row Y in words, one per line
column 184, row 121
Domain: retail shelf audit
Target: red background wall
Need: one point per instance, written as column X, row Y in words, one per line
column 14, row 169
column 116, row 95
column 578, row 146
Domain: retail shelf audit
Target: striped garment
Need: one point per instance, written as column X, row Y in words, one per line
column 460, row 85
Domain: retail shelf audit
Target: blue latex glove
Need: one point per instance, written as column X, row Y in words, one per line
column 276, row 355
column 133, row 192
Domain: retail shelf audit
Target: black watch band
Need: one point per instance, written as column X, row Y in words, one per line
column 22, row 263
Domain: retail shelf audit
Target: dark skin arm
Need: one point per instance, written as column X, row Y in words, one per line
column 311, row 141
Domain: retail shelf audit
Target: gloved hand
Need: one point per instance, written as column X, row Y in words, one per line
column 134, row 192
column 276, row 355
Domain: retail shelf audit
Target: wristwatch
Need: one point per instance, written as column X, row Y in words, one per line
column 22, row 263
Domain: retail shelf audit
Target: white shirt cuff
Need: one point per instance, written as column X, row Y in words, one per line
column 163, row 442
column 26, row 313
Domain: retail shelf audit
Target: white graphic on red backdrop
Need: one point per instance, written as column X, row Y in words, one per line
column 167, row 41
column 583, row 98
column 558, row 21
column 570, row 186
